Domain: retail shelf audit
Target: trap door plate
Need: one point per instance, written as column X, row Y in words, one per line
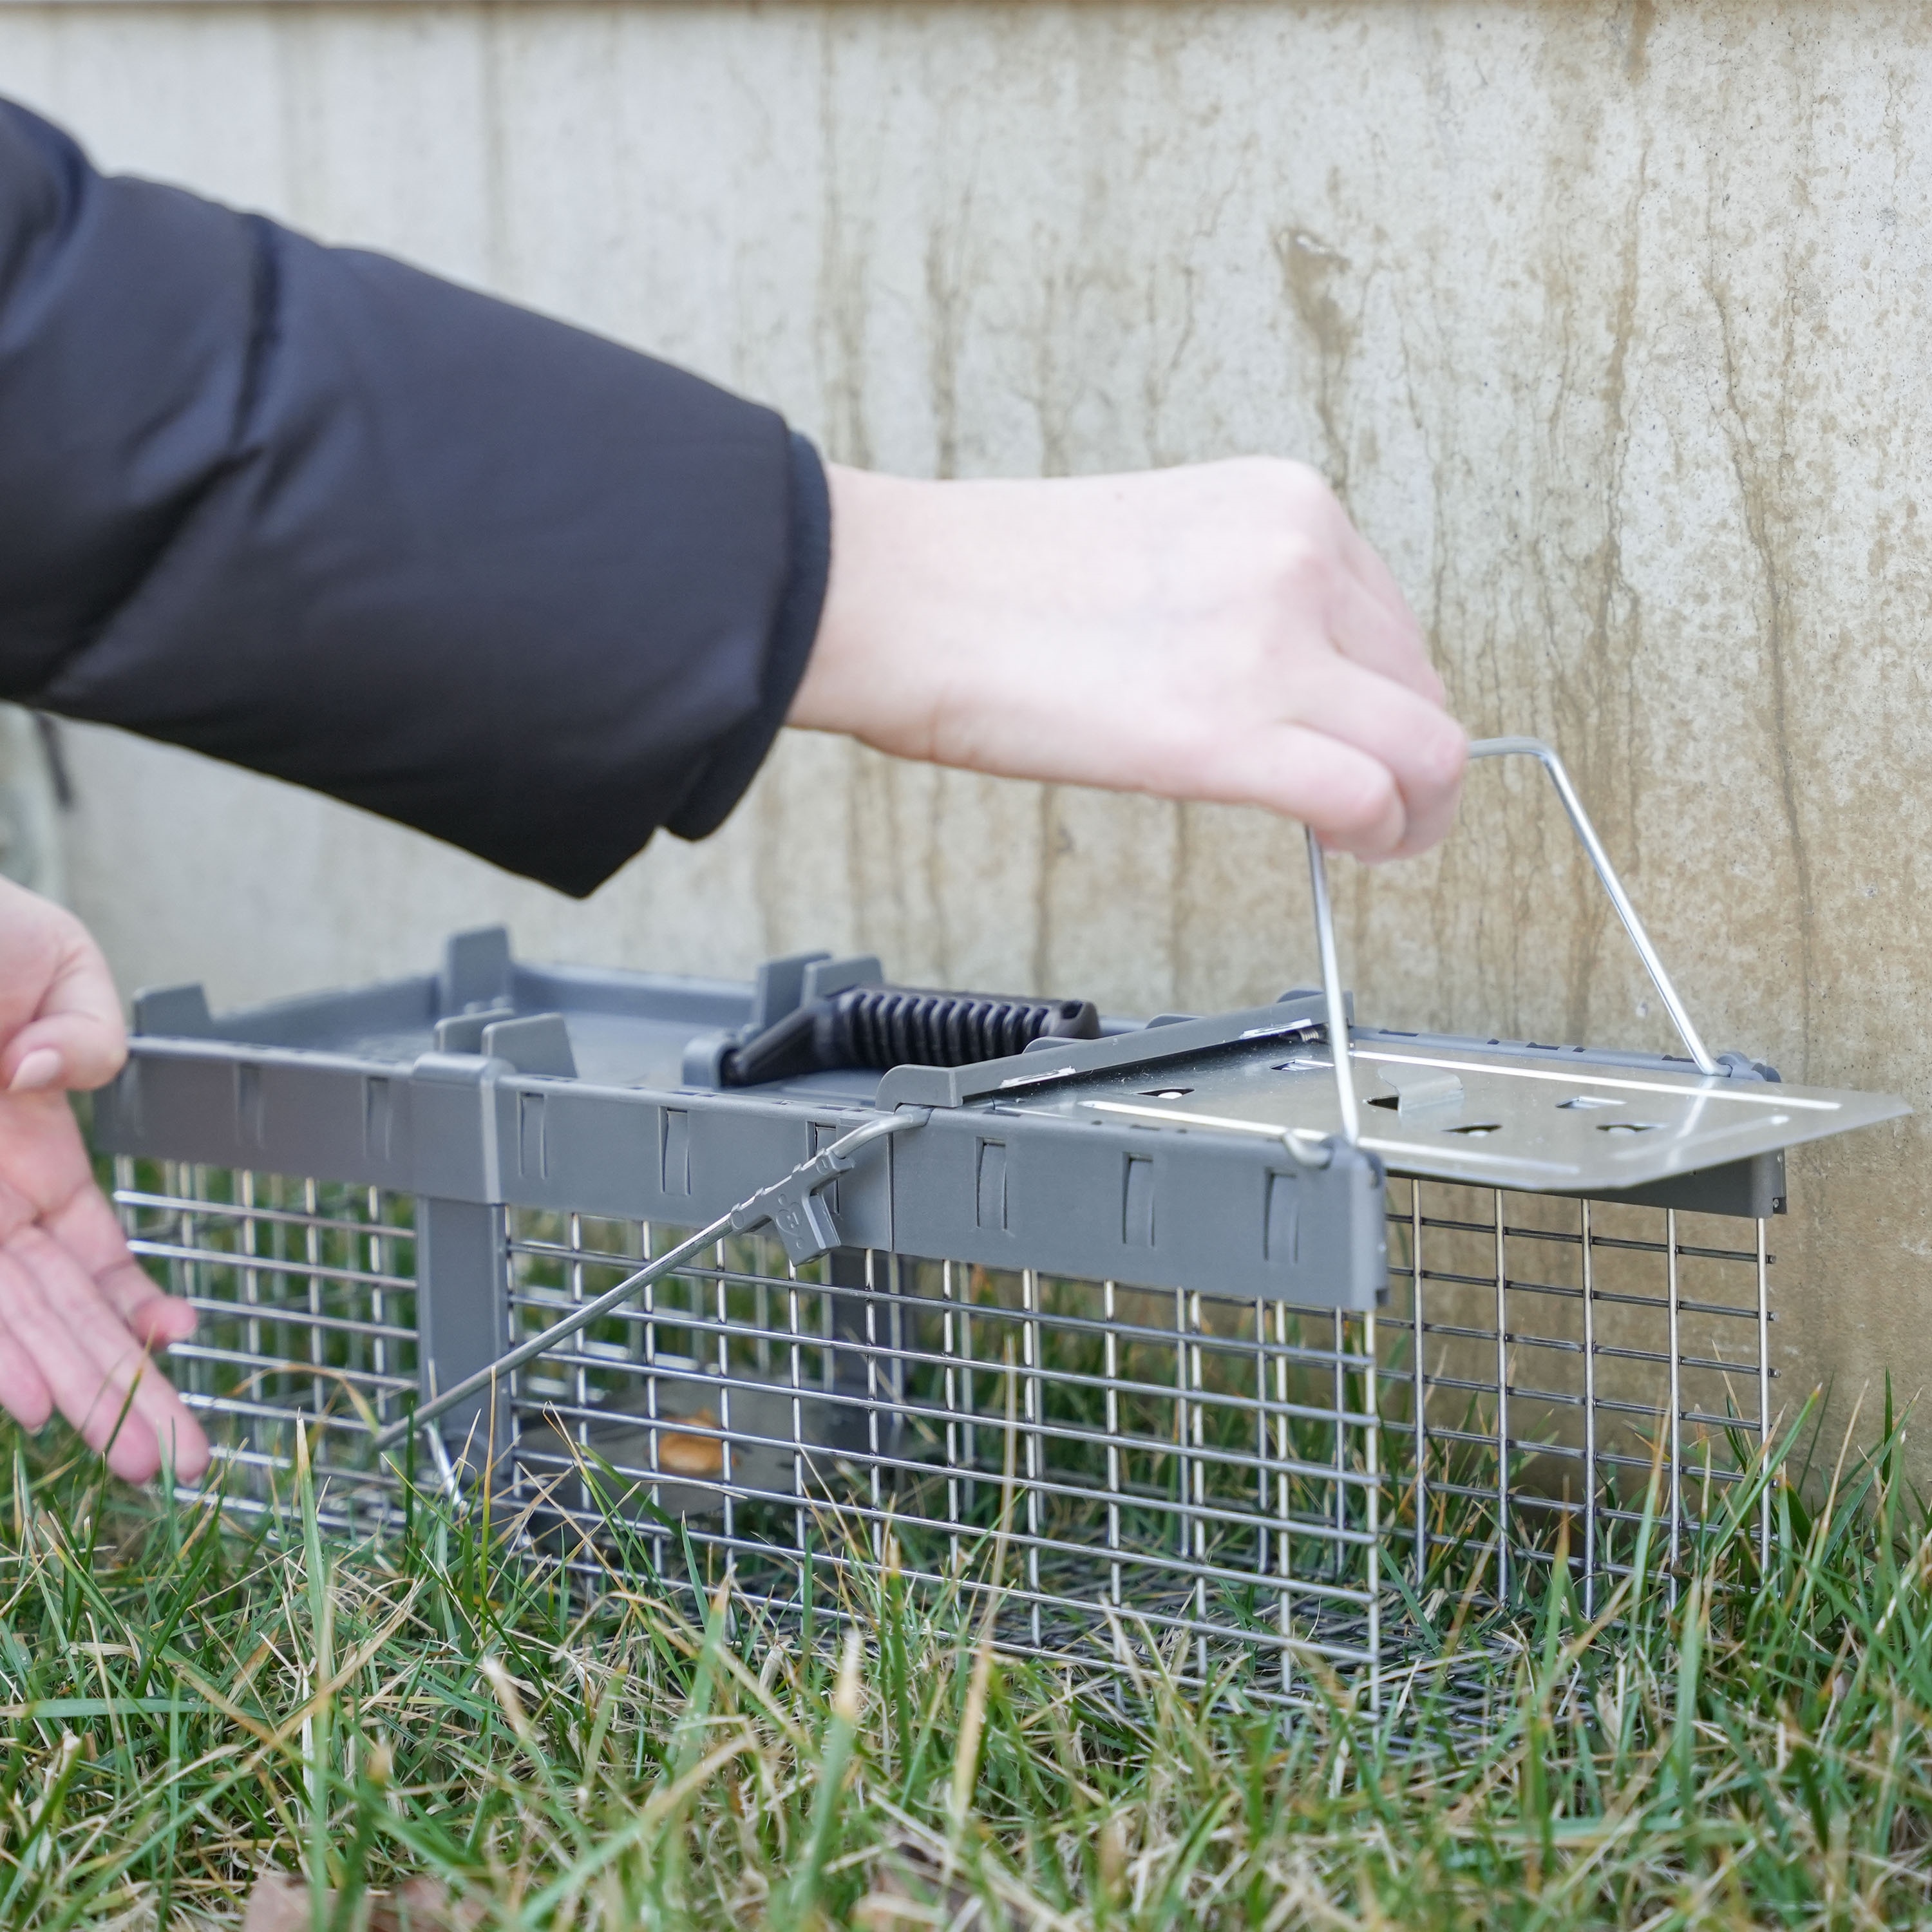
column 1490, row 1119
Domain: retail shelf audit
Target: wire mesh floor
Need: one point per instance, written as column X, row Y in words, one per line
column 1099, row 1468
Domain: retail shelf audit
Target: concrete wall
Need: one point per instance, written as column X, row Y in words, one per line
column 1608, row 321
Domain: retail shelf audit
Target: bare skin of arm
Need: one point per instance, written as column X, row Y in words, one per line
column 1219, row 632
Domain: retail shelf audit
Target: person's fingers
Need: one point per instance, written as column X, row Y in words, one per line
column 1422, row 748
column 1348, row 797
column 155, row 1320
column 72, row 1375
column 86, row 1227
column 58, row 1009
column 1431, row 816
column 129, row 1378
column 1387, row 641
column 101, row 1378
column 24, row 1393
column 82, row 1048
column 1364, row 563
column 1369, row 618
column 68, row 1050
column 38, row 1066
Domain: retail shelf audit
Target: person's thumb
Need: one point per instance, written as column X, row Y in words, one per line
column 77, row 1039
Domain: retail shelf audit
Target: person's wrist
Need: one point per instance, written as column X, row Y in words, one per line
column 1219, row 632
column 864, row 676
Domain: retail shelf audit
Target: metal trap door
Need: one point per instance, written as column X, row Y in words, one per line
column 1451, row 1110
column 306, row 1295
column 1557, row 1371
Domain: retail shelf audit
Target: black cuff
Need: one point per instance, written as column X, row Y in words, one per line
column 732, row 766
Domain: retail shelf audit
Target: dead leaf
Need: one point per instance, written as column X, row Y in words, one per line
column 280, row 1902
column 685, row 1455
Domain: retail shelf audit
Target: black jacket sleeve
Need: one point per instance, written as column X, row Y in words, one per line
column 312, row 511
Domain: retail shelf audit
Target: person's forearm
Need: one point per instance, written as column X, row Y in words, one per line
column 1216, row 632
column 315, row 512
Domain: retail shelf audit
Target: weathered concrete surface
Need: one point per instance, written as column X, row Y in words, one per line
column 1608, row 320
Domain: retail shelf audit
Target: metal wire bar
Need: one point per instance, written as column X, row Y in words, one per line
column 1372, row 1455
column 1150, row 1502
column 1331, row 993
column 1502, row 1407
column 1283, row 1533
column 247, row 1210
column 795, row 1409
column 1111, row 1396
column 1232, row 1403
column 1676, row 1405
column 1763, row 1400
column 1606, row 874
column 1558, row 1291
column 1524, row 1231
column 1231, row 1344
column 1030, row 1387
column 1194, row 1472
column 1419, row 1387
column 1154, row 1563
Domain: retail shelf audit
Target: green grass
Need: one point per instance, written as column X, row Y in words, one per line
column 189, row 1702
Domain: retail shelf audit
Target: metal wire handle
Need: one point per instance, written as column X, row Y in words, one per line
column 1586, row 835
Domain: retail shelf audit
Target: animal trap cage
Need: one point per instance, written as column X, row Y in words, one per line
column 1190, row 1333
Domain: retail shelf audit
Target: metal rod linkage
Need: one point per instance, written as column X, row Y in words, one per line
column 735, row 1220
column 1502, row 1405
column 1331, row 991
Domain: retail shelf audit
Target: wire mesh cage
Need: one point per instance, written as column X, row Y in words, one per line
column 1241, row 1483
column 1252, row 1341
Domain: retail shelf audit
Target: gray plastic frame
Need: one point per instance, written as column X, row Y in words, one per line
column 462, row 1088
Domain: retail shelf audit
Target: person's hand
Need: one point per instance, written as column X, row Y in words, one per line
column 1221, row 632
column 77, row 1314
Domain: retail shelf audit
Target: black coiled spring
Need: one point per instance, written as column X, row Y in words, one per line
column 882, row 1027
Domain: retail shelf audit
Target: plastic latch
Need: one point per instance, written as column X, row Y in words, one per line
column 537, row 1043
column 476, row 970
column 807, row 1227
column 805, row 1222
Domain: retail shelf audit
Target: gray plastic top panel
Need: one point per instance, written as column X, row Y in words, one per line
column 1164, row 1154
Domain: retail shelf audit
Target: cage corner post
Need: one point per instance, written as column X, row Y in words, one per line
column 463, row 1316
column 463, row 1256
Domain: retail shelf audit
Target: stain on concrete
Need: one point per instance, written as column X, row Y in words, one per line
column 1638, row 18
column 1315, row 274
